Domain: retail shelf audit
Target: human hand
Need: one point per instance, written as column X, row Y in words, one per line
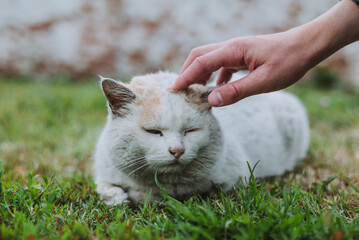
column 274, row 61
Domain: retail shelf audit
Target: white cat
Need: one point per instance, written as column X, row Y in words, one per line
column 190, row 145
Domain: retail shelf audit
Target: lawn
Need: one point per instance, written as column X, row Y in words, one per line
column 47, row 137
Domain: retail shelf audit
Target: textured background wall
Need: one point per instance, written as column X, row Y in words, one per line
column 128, row 37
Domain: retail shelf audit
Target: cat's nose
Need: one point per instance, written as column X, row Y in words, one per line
column 176, row 152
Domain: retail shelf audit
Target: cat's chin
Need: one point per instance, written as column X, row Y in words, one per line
column 171, row 166
column 170, row 169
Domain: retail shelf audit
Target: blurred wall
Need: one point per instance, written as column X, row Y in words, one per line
column 128, row 37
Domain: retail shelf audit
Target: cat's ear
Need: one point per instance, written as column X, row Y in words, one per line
column 197, row 95
column 118, row 96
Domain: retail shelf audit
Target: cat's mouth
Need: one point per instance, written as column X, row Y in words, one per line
column 173, row 164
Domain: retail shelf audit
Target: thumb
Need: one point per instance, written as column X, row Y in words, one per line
column 234, row 91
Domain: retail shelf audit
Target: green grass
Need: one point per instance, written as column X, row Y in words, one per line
column 47, row 136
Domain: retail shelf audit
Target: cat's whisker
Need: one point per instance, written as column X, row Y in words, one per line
column 144, row 165
column 124, row 167
column 147, row 170
column 140, row 159
column 132, row 164
column 200, row 164
column 197, row 166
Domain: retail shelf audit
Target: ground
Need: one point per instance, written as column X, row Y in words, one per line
column 47, row 137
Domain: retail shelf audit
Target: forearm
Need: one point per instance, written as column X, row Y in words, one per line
column 330, row 32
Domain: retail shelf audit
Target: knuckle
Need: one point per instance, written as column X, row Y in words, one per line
column 200, row 62
column 195, row 52
column 232, row 45
column 235, row 93
column 241, row 44
column 236, row 50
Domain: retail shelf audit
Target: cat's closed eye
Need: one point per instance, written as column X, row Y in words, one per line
column 154, row 131
column 191, row 130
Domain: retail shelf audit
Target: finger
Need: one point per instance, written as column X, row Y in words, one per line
column 233, row 92
column 225, row 75
column 203, row 80
column 201, row 66
column 196, row 52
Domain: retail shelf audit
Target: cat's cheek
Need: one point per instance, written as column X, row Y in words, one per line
column 190, row 137
column 196, row 138
column 185, row 161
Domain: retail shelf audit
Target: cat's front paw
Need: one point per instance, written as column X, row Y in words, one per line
column 111, row 195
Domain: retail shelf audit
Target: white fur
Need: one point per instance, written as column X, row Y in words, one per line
column 269, row 128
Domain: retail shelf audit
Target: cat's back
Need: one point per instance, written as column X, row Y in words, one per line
column 270, row 128
column 256, row 108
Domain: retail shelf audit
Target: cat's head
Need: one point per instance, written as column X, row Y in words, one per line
column 152, row 129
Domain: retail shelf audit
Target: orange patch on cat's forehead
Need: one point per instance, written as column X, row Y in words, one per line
column 145, row 89
column 152, row 94
column 149, row 105
column 149, row 97
column 148, row 82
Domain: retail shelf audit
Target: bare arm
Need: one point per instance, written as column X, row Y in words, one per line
column 275, row 61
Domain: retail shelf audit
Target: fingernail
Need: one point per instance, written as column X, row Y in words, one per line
column 215, row 98
column 172, row 88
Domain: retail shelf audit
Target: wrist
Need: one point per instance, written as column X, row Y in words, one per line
column 328, row 33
